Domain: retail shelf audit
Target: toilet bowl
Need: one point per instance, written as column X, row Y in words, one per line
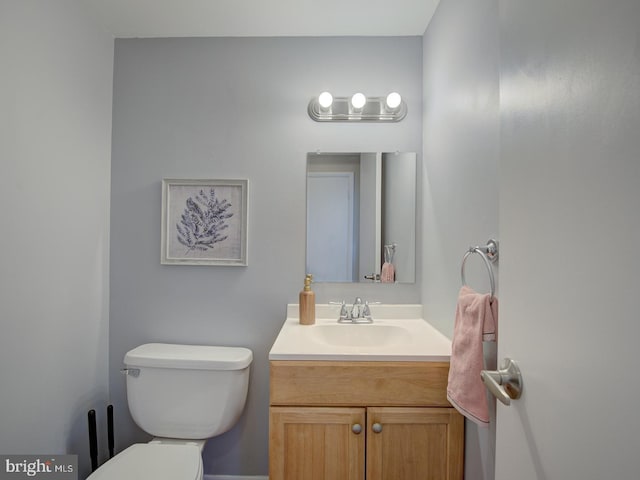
column 182, row 395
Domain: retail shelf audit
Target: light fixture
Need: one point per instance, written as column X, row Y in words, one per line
column 358, row 101
column 393, row 101
column 357, row 108
column 325, row 99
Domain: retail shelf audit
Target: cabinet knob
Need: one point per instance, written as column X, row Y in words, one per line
column 356, row 428
column 376, row 427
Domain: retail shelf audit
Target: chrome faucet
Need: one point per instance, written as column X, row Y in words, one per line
column 359, row 313
column 356, row 308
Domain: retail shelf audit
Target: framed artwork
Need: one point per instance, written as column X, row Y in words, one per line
column 204, row 222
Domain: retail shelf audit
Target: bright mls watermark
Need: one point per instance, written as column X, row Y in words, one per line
column 48, row 467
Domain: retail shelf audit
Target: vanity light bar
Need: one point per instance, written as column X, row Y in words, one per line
column 357, row 108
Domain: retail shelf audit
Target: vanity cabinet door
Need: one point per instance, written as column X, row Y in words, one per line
column 414, row 443
column 316, row 443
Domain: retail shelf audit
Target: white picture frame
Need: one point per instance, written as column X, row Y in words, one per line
column 204, row 222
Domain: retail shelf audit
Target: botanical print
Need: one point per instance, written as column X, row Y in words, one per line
column 204, row 222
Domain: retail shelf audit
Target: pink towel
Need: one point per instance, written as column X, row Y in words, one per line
column 387, row 273
column 476, row 321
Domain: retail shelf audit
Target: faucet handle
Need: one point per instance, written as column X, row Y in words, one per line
column 343, row 309
column 366, row 311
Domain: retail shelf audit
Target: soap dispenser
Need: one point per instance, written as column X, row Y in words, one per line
column 307, row 303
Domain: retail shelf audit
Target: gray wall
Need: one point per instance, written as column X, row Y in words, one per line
column 460, row 176
column 223, row 107
column 55, row 144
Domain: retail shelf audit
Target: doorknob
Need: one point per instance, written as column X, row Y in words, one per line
column 505, row 383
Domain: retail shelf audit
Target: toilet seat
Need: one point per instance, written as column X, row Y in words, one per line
column 153, row 461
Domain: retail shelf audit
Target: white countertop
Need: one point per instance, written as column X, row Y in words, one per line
column 414, row 338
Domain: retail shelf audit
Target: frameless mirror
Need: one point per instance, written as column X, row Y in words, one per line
column 361, row 210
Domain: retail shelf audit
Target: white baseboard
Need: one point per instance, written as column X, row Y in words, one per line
column 235, row 477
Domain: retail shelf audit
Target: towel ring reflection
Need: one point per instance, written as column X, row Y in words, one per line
column 489, row 254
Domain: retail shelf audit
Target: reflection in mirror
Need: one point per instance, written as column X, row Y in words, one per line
column 361, row 210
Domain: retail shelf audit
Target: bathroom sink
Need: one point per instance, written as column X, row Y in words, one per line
column 354, row 335
column 398, row 333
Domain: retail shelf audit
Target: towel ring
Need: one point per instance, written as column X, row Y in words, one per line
column 489, row 253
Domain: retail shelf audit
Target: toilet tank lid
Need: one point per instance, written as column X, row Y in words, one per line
column 196, row 357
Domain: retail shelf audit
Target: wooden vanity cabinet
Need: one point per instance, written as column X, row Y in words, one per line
column 363, row 420
column 316, row 443
column 414, row 443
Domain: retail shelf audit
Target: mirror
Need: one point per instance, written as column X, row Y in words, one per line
column 361, row 210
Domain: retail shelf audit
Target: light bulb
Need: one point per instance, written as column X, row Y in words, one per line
column 325, row 99
column 393, row 100
column 358, row 100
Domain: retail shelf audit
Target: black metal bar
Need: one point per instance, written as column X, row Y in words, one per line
column 110, row 430
column 93, row 440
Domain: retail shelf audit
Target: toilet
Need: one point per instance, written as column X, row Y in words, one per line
column 182, row 395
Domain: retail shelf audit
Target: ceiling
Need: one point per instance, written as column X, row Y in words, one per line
column 257, row 18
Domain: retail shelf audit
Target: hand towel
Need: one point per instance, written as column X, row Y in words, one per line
column 476, row 321
column 387, row 273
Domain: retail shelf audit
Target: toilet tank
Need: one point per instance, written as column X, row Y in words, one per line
column 187, row 391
